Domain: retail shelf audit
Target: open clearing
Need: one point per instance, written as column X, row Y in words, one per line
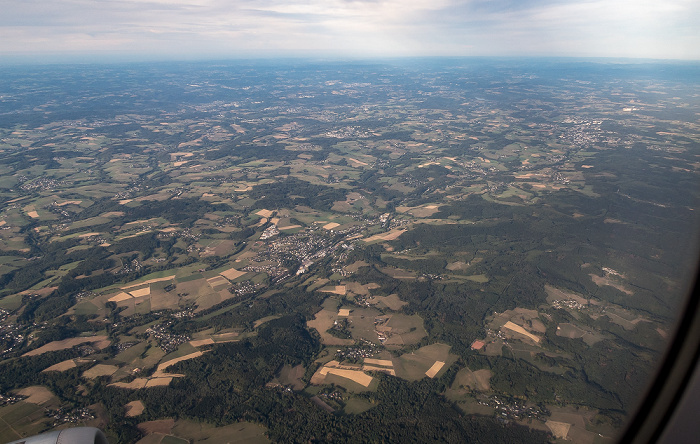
column 100, row 370
column 432, row 371
column 265, row 213
column 518, row 329
column 391, row 235
column 559, row 429
column 232, row 274
column 36, row 394
column 134, row 408
column 392, row 302
column 357, row 376
column 61, row 366
column 68, row 343
column 415, row 365
column 160, row 371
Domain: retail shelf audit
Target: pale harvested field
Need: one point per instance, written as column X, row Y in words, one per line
column 2, row 222
column 159, row 381
column 338, row 289
column 33, row 214
column 289, row 227
column 64, row 344
column 134, row 408
column 61, row 366
column 180, row 163
column 357, row 161
column 89, row 234
column 112, row 214
column 232, row 274
column 518, row 329
column 146, row 291
column 100, row 370
column 432, row 371
column 201, row 342
column 36, row 394
column 225, row 337
column 383, row 362
column 150, row 281
column 559, row 429
column 265, row 213
column 391, row 235
column 331, row 225
column 345, row 312
column 357, row 376
column 136, row 384
column 68, row 202
column 217, row 281
column 160, row 371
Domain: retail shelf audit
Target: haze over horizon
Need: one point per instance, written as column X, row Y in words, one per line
column 199, row 29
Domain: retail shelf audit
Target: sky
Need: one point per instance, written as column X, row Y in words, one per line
column 196, row 29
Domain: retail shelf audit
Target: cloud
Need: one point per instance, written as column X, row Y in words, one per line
column 354, row 27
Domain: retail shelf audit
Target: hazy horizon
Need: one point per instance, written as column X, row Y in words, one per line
column 339, row 29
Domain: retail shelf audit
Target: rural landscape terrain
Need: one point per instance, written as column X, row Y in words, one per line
column 437, row 250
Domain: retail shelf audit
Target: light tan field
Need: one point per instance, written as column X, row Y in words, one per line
column 68, row 202
column 216, row 281
column 134, row 408
column 432, row 371
column 33, row 214
column 160, row 381
column 66, row 343
column 345, row 312
column 289, row 227
column 160, row 371
column 150, row 281
column 180, row 163
column 201, row 342
column 36, row 394
column 331, row 225
column 518, row 329
column 357, row 376
column 265, row 213
column 113, row 214
column 338, row 289
column 61, row 366
column 146, row 291
column 559, row 429
column 355, row 161
column 232, row 274
column 391, row 235
column 382, row 362
column 89, row 234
